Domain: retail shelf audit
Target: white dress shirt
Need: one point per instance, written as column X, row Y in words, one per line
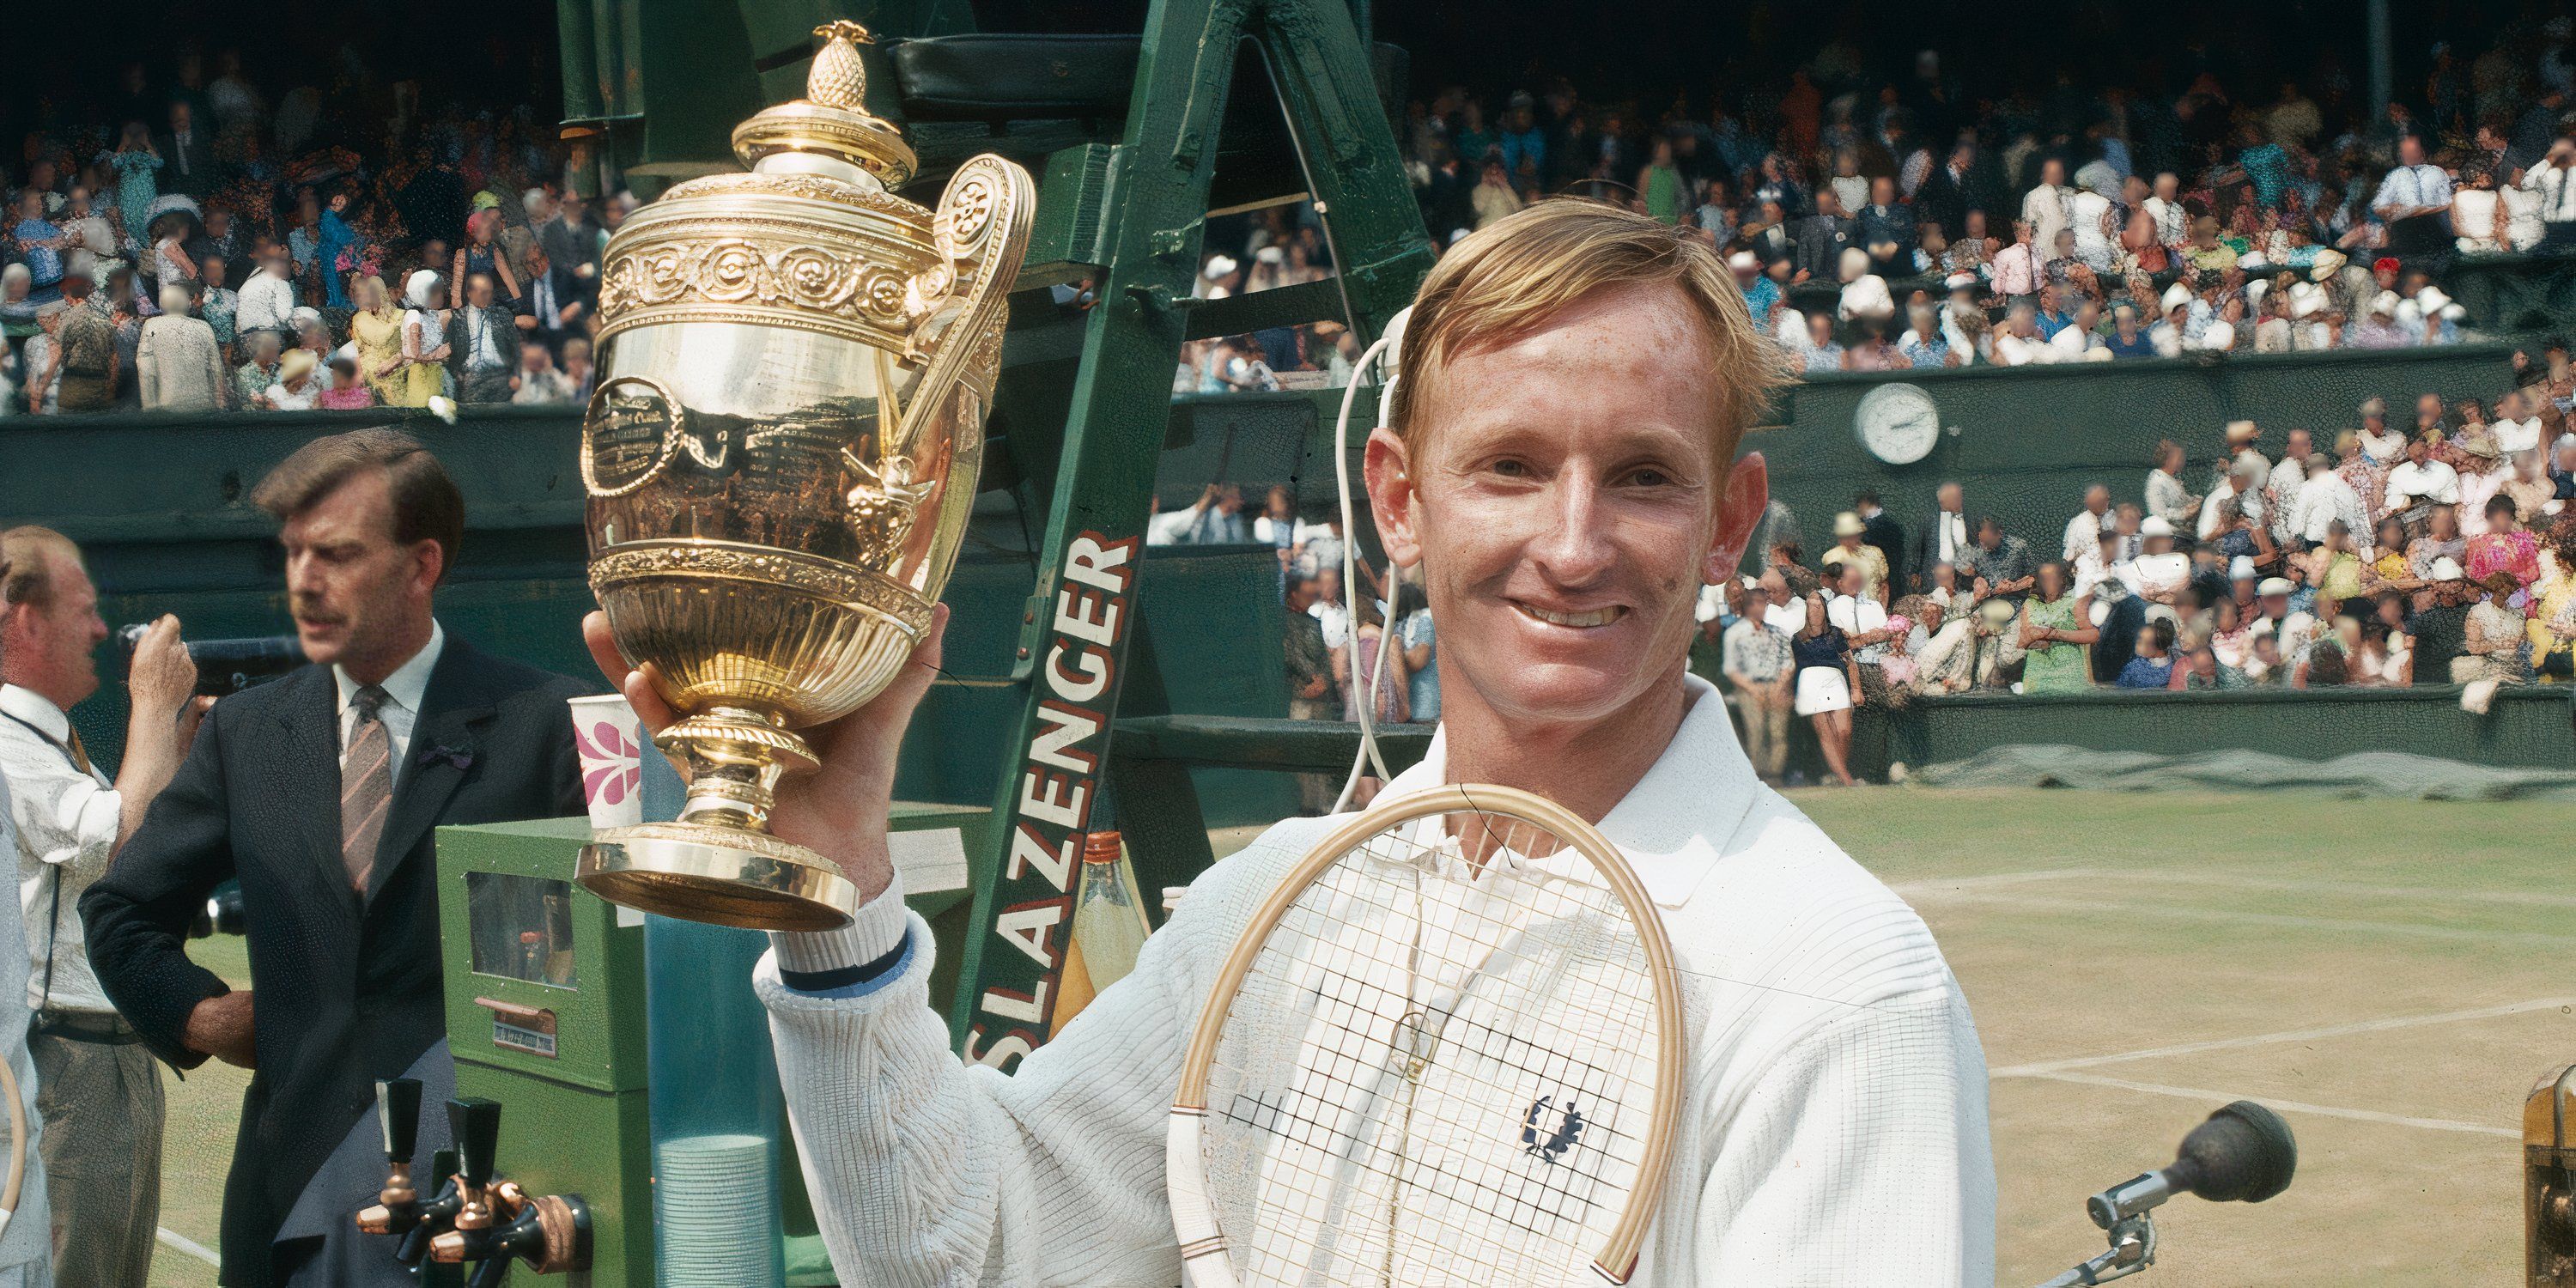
column 2514, row 436
column 1950, row 535
column 404, row 690
column 2091, row 575
column 2431, row 481
column 66, row 823
column 2418, row 185
column 482, row 341
column 2083, row 534
column 2324, row 499
column 2281, row 496
column 1833, row 1124
column 1853, row 614
column 263, row 303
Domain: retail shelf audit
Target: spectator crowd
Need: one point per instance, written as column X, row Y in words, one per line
column 1881, row 222
column 218, row 244
column 2429, row 543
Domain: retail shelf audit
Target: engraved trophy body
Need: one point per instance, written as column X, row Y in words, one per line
column 793, row 369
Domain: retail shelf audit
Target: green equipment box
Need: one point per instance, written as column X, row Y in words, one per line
column 546, row 1013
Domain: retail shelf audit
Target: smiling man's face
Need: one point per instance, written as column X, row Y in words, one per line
column 1565, row 498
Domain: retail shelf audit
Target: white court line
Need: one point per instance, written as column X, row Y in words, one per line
column 183, row 1243
column 2101, row 910
column 1935, row 887
column 2286, row 1106
column 2047, row 1067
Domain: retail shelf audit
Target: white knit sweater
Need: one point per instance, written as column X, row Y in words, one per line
column 1834, row 1131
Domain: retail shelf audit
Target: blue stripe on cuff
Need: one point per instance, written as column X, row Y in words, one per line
column 852, row 981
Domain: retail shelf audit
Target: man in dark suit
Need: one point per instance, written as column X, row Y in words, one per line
column 319, row 793
column 1944, row 539
column 1949, row 191
column 1878, row 528
column 187, row 153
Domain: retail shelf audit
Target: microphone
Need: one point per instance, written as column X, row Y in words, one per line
column 2243, row 1154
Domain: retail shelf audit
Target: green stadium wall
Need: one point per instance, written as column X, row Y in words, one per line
column 2528, row 728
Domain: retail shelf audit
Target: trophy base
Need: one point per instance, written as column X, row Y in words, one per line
column 724, row 876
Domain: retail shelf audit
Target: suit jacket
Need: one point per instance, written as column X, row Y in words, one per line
column 349, row 987
column 197, row 177
column 1882, row 531
column 1821, row 240
column 505, row 338
column 1944, row 200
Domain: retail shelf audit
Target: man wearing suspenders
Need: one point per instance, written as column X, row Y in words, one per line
column 97, row 1090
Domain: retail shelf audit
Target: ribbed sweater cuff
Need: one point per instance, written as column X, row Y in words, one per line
column 876, row 931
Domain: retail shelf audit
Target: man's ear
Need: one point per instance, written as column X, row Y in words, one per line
column 430, row 561
column 1748, row 494
column 1388, row 471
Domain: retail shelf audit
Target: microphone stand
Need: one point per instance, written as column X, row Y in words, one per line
column 2133, row 1248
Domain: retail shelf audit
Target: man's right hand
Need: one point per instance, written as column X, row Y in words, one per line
column 163, row 676
column 842, row 809
column 221, row 1027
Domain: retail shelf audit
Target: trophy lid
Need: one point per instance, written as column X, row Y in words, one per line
column 831, row 121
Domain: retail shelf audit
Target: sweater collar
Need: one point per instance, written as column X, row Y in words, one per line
column 1675, row 823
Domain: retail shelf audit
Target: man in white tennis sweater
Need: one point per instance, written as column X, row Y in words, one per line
column 1562, row 468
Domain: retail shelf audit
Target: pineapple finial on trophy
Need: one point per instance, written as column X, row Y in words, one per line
column 837, row 78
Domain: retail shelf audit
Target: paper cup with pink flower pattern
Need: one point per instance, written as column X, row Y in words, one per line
column 610, row 742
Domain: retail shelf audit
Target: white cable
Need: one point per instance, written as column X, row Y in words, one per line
column 1367, row 756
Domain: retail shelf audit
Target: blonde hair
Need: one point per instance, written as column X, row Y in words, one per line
column 1506, row 280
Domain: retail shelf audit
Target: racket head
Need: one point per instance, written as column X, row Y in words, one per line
column 1409, row 1053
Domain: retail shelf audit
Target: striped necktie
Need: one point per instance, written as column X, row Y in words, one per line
column 366, row 786
column 80, row 754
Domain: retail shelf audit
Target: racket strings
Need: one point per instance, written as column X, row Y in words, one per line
column 1436, row 1069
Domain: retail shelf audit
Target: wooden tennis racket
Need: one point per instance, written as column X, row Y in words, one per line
column 1446, row 1050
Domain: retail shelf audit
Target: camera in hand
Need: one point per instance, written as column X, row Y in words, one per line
column 227, row 666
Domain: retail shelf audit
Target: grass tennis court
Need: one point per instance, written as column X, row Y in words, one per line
column 2391, row 975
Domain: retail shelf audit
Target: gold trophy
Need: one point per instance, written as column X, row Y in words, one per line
column 794, row 365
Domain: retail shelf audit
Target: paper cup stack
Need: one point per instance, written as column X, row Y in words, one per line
column 716, row 1199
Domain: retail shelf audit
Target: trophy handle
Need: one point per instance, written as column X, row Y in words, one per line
column 982, row 230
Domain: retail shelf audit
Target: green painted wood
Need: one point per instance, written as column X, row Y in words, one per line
column 2532, row 727
column 2514, row 294
column 1104, row 473
column 1273, row 744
